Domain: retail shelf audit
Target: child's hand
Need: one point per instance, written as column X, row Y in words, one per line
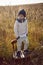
column 26, row 34
column 18, row 37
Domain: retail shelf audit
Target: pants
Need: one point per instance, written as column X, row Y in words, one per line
column 19, row 43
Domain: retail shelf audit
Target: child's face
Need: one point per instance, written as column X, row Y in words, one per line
column 21, row 17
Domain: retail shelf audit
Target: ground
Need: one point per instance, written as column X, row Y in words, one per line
column 34, row 58
column 16, row 62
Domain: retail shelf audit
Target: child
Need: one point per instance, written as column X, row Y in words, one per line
column 21, row 32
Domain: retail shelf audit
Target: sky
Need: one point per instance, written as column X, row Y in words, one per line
column 18, row 2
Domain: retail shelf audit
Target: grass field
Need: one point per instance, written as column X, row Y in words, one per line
column 35, row 27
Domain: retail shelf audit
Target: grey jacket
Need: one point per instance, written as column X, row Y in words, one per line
column 20, row 29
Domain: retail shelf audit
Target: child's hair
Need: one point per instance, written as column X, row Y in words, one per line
column 22, row 12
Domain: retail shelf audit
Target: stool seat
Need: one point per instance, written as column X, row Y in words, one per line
column 14, row 41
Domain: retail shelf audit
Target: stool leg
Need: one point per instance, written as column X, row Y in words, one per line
column 13, row 50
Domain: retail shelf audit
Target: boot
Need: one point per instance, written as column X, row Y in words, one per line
column 18, row 53
column 26, row 52
column 22, row 55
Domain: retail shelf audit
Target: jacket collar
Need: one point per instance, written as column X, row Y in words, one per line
column 20, row 21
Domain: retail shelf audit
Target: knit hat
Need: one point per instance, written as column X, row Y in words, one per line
column 22, row 12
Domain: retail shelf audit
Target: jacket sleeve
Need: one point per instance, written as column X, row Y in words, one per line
column 26, row 27
column 16, row 28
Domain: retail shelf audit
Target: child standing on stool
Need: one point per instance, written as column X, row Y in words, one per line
column 21, row 32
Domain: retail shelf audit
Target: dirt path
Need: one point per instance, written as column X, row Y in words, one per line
column 12, row 61
column 35, row 58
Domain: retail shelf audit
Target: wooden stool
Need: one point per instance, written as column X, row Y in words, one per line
column 13, row 42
